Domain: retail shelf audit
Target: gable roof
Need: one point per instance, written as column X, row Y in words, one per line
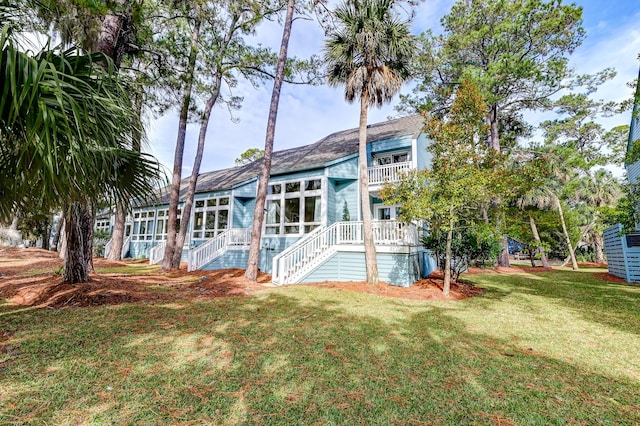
column 333, row 147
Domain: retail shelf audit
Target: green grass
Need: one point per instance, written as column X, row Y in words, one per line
column 130, row 269
column 554, row 348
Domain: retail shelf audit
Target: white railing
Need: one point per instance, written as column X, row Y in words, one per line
column 299, row 259
column 156, row 253
column 205, row 253
column 107, row 247
column 306, row 253
column 388, row 172
column 125, row 245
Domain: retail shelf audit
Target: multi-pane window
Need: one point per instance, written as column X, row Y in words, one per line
column 143, row 225
column 391, row 158
column 103, row 225
column 211, row 217
column 163, row 223
column 294, row 207
column 387, row 212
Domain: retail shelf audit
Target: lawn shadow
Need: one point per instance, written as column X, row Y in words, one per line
column 292, row 356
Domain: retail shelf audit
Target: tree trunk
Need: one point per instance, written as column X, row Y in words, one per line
column 113, row 40
column 265, row 171
column 583, row 234
column 174, row 192
column 56, row 236
column 446, row 285
column 76, row 270
column 204, row 125
column 115, row 32
column 572, row 254
column 598, row 244
column 536, row 236
column 494, row 135
column 117, row 237
column 191, row 191
column 531, row 259
column 87, row 220
column 370, row 258
column 47, row 234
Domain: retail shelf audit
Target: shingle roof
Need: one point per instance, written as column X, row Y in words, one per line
column 333, row 147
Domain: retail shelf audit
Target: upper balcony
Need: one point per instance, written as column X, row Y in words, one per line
column 388, row 173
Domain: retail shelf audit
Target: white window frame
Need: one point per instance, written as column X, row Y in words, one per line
column 394, row 211
column 284, row 227
column 390, row 155
column 141, row 217
column 211, row 207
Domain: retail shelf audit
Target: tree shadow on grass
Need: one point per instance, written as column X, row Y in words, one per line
column 291, row 356
column 612, row 304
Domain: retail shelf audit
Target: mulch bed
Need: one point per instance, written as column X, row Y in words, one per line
column 26, row 279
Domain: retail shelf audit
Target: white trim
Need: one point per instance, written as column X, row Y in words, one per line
column 414, row 152
column 300, row 195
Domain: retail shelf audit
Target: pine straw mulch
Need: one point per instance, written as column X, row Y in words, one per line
column 28, row 278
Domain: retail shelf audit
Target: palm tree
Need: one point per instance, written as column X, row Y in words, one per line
column 369, row 54
column 597, row 191
column 66, row 130
column 534, row 198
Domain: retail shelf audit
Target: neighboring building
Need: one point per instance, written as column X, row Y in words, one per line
column 312, row 229
column 623, row 251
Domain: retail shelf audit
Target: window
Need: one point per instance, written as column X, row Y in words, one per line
column 390, row 158
column 294, row 207
column 163, row 224
column 143, row 225
column 103, row 225
column 211, row 217
column 386, row 212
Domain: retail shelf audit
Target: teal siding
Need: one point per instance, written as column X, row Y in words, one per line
column 391, row 144
column 397, row 269
column 344, row 170
column 243, row 212
column 424, row 157
column 230, row 259
column 316, row 173
column 344, row 191
column 238, row 258
column 633, row 172
column 247, row 190
column 140, row 249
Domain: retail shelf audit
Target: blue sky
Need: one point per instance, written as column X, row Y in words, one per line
column 308, row 113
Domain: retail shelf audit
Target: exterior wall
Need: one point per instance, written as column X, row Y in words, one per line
column 623, row 261
column 391, row 144
column 347, row 169
column 339, row 193
column 243, row 210
column 401, row 269
column 424, row 157
column 249, row 189
column 230, row 259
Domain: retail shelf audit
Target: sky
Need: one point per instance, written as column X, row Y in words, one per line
column 309, row 113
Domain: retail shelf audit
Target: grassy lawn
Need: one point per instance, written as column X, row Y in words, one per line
column 551, row 348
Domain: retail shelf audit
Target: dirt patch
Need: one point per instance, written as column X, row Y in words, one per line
column 30, row 277
column 426, row 289
column 605, row 276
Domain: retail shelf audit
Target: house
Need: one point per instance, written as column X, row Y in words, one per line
column 312, row 226
column 623, row 251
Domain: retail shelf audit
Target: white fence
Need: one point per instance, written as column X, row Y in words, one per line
column 388, row 172
column 156, row 253
column 205, row 253
column 299, row 259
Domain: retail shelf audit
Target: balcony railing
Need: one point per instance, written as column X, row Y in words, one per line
column 388, row 173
